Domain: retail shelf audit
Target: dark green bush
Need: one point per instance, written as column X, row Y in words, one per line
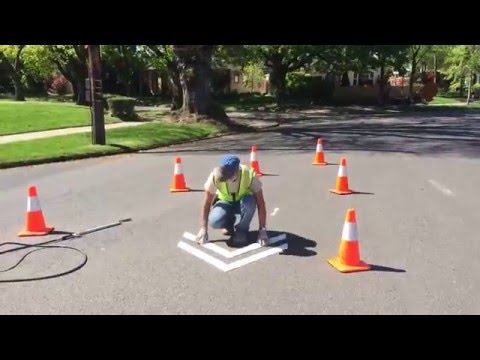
column 310, row 88
column 122, row 107
column 105, row 98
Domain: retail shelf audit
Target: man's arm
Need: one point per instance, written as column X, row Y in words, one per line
column 262, row 209
column 207, row 203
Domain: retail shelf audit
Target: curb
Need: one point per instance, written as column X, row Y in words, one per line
column 205, row 138
column 120, row 152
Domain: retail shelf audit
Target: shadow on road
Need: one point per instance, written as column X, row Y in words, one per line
column 420, row 133
column 362, row 193
column 386, row 269
column 297, row 245
column 60, row 232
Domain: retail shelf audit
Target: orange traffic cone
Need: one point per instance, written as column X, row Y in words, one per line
column 35, row 223
column 178, row 184
column 254, row 164
column 342, row 180
column 348, row 259
column 319, row 156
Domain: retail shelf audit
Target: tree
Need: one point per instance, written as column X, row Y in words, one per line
column 71, row 61
column 384, row 57
column 279, row 60
column 162, row 58
column 194, row 65
column 416, row 53
column 11, row 59
column 253, row 74
column 36, row 63
column 128, row 60
column 462, row 62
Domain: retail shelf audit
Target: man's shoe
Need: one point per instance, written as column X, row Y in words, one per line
column 239, row 239
column 228, row 231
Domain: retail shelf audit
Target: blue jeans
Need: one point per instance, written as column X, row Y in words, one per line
column 223, row 213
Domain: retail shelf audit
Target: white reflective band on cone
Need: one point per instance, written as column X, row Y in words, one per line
column 178, row 169
column 253, row 156
column 342, row 171
column 319, row 148
column 33, row 204
column 350, row 232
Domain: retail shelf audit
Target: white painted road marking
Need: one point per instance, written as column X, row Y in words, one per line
column 441, row 188
column 257, row 256
column 274, row 212
column 219, row 264
column 231, row 254
column 204, row 256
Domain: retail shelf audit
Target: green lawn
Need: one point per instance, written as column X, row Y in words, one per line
column 118, row 140
column 444, row 102
column 248, row 102
column 441, row 100
column 20, row 117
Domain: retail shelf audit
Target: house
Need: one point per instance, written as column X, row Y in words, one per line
column 225, row 80
column 232, row 80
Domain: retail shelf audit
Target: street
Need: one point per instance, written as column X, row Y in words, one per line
column 417, row 211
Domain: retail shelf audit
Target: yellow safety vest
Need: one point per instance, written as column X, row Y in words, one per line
column 246, row 177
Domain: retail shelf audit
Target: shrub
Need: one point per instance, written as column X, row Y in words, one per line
column 106, row 97
column 122, row 107
column 310, row 88
column 59, row 85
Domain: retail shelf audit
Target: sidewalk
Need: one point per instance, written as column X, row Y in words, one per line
column 50, row 133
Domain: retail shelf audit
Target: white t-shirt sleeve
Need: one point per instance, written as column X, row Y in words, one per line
column 256, row 185
column 209, row 185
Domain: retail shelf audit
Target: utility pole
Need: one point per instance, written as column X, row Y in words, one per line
column 96, row 96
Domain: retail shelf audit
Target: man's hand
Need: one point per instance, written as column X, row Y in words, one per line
column 202, row 236
column 262, row 237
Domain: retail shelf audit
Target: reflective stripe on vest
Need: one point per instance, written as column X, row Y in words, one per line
column 246, row 177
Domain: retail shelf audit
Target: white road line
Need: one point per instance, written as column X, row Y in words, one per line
column 441, row 188
column 231, row 254
column 204, row 256
column 255, row 257
column 219, row 250
column 195, row 251
column 274, row 212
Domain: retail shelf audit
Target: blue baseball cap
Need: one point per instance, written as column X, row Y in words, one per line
column 229, row 165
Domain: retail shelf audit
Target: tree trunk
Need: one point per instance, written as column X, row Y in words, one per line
column 469, row 93
column 81, row 92
column 164, row 86
column 278, row 80
column 462, row 82
column 80, row 68
column 14, row 73
column 202, row 74
column 74, row 89
column 186, row 95
column 196, row 92
column 17, row 83
column 381, row 85
column 175, row 87
column 412, row 79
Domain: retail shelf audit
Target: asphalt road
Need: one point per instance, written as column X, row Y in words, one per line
column 417, row 212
